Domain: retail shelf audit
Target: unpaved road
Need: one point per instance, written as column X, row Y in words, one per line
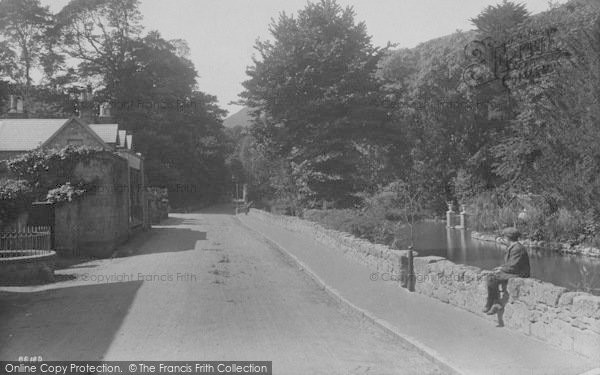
column 197, row 287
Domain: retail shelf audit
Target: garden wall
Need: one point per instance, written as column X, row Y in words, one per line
column 22, row 267
column 569, row 320
column 95, row 224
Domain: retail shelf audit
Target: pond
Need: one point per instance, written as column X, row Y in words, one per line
column 570, row 271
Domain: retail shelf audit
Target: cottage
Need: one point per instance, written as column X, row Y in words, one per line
column 99, row 222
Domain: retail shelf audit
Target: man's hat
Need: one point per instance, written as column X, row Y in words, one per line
column 511, row 233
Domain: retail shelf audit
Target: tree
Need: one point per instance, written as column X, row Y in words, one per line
column 317, row 98
column 152, row 85
column 496, row 21
column 183, row 139
column 445, row 125
column 100, row 34
column 551, row 144
column 24, row 25
column 155, row 72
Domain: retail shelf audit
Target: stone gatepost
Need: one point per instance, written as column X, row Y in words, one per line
column 400, row 267
column 463, row 216
column 450, row 215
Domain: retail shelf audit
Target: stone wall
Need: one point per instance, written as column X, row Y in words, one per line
column 66, row 228
column 99, row 221
column 379, row 258
column 569, row 320
column 27, row 267
column 158, row 204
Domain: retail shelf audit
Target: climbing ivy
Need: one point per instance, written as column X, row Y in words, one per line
column 49, row 169
column 43, row 175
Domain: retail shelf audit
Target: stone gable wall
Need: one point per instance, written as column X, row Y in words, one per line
column 73, row 131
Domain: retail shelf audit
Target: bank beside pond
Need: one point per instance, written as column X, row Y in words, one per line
column 564, row 248
column 432, row 238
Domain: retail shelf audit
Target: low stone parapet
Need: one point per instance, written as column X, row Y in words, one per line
column 569, row 320
column 378, row 257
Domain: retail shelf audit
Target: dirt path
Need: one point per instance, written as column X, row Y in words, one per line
column 200, row 286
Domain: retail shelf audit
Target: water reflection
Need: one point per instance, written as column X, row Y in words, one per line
column 571, row 271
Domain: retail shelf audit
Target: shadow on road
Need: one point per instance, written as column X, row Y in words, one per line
column 220, row 209
column 171, row 235
column 77, row 323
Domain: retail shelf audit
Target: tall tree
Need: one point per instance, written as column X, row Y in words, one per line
column 23, row 24
column 101, row 35
column 177, row 128
column 496, row 21
column 317, row 97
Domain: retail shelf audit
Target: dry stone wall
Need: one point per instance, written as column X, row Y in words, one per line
column 379, row 258
column 569, row 320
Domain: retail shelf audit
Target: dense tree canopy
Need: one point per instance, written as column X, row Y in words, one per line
column 338, row 115
column 317, row 99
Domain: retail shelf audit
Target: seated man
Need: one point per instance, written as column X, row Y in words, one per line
column 516, row 264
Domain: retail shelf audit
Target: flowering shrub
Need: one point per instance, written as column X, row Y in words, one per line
column 64, row 193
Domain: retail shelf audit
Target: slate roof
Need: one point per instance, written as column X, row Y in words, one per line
column 108, row 132
column 27, row 134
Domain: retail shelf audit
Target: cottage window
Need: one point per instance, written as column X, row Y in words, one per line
column 75, row 142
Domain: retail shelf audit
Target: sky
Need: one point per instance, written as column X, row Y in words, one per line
column 221, row 33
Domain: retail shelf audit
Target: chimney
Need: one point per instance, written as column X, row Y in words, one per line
column 16, row 109
column 105, row 110
column 86, row 106
column 105, row 113
column 13, row 104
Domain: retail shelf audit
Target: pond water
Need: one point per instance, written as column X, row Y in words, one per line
column 570, row 271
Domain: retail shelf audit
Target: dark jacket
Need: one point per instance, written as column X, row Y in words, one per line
column 516, row 260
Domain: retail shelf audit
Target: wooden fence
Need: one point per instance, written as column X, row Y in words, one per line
column 27, row 238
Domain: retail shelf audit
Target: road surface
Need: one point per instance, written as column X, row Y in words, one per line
column 197, row 287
